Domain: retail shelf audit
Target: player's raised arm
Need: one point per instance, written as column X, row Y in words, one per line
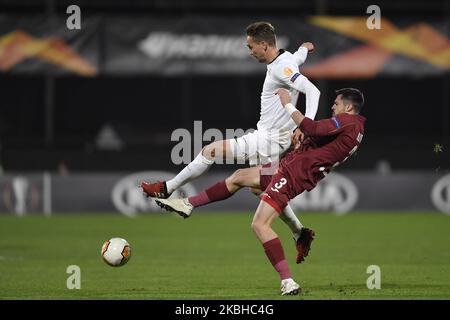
column 348, row 102
column 302, row 53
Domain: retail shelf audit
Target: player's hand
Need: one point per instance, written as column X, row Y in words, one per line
column 308, row 45
column 297, row 138
column 284, row 95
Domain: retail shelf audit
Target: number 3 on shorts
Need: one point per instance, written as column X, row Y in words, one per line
column 279, row 185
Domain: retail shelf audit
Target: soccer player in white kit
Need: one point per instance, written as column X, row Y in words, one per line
column 274, row 129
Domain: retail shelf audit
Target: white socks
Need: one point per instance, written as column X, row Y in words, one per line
column 288, row 216
column 194, row 169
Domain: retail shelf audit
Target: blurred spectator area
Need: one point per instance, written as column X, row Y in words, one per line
column 46, row 120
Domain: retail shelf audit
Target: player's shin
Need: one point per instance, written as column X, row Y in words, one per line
column 275, row 254
column 288, row 216
column 194, row 169
column 217, row 192
column 261, row 225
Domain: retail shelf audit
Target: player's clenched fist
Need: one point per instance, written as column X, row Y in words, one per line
column 308, row 45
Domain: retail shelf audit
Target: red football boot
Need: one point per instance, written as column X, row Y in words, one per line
column 155, row 190
column 303, row 244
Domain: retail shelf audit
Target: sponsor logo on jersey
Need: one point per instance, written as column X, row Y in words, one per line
column 288, row 72
column 295, row 76
column 336, row 122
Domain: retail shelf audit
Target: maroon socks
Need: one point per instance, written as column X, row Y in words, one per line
column 217, row 192
column 275, row 253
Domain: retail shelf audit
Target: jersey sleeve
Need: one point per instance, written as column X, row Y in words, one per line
column 324, row 127
column 290, row 76
column 300, row 55
column 286, row 72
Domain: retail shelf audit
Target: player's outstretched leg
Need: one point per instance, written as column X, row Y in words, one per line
column 222, row 190
column 155, row 190
column 262, row 226
column 209, row 155
column 180, row 206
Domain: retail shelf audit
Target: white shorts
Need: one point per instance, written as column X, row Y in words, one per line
column 260, row 147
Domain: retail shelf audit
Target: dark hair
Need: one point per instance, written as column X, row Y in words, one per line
column 262, row 31
column 353, row 96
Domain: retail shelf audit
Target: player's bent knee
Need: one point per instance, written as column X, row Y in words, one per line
column 214, row 150
column 236, row 178
column 258, row 227
column 256, row 191
column 255, row 226
column 209, row 151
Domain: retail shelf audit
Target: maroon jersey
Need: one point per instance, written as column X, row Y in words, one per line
column 328, row 143
column 332, row 141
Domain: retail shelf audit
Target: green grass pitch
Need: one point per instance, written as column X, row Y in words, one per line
column 216, row 256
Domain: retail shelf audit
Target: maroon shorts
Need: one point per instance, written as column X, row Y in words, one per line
column 266, row 173
column 296, row 173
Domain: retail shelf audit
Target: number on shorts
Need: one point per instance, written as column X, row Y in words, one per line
column 279, row 185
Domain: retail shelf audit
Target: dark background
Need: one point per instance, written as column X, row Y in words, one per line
column 407, row 116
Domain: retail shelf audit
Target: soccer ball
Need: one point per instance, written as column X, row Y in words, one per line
column 116, row 252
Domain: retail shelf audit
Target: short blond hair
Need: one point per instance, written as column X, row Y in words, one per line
column 262, row 31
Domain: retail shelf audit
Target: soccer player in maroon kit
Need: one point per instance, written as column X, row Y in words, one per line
column 327, row 143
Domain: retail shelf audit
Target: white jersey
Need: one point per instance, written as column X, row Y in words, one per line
column 275, row 126
column 283, row 72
